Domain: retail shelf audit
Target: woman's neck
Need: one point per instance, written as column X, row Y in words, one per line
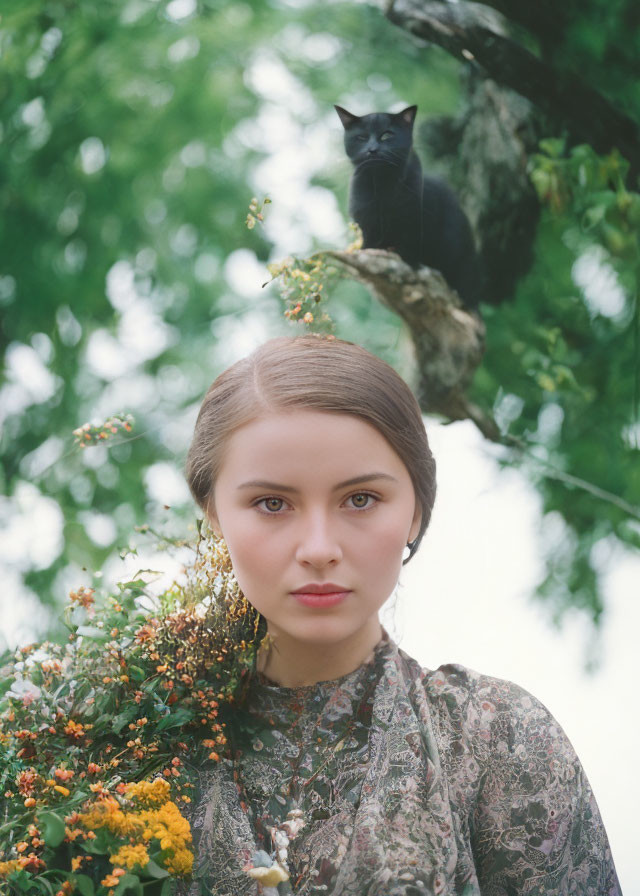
column 291, row 663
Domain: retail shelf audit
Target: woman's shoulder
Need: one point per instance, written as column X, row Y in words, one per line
column 516, row 779
column 485, row 707
column 460, row 686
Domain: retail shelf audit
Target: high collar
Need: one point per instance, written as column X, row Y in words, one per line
column 266, row 697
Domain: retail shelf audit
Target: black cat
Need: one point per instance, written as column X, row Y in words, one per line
column 397, row 208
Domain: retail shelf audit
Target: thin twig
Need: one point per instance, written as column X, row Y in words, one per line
column 569, row 479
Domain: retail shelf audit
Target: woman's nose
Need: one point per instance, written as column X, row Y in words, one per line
column 317, row 542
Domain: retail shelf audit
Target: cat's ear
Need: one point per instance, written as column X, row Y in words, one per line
column 408, row 115
column 346, row 118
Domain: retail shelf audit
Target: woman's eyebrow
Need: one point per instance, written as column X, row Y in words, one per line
column 356, row 480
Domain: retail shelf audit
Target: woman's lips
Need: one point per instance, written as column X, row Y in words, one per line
column 311, row 599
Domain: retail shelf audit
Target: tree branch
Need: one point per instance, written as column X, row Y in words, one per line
column 449, row 341
column 485, row 153
column 544, row 18
column 468, row 31
column 449, row 344
column 551, row 472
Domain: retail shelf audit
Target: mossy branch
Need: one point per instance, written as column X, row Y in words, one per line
column 449, row 344
column 449, row 340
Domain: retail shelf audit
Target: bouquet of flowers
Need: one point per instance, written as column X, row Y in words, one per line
column 97, row 735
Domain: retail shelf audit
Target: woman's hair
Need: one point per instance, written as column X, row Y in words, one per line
column 316, row 373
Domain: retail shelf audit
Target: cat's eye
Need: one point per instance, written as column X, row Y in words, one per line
column 361, row 137
column 385, row 136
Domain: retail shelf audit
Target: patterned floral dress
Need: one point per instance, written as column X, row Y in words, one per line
column 413, row 783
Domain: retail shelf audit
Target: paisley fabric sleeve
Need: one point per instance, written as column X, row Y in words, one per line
column 536, row 828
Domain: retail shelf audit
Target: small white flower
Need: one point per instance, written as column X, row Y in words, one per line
column 280, row 837
column 25, row 690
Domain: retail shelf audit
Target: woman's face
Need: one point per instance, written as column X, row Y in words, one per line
column 309, row 498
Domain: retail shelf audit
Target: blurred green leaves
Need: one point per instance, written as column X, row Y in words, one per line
column 568, row 347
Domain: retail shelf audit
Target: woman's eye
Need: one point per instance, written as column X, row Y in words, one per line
column 362, row 500
column 271, row 505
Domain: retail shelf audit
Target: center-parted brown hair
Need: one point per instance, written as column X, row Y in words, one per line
column 316, row 373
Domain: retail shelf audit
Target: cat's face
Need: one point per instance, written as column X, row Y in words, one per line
column 382, row 138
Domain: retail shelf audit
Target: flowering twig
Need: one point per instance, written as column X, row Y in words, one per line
column 95, row 433
column 256, row 212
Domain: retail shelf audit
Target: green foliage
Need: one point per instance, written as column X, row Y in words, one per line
column 600, row 41
column 567, row 349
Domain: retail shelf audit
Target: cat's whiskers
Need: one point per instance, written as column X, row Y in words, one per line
column 393, row 154
column 377, row 160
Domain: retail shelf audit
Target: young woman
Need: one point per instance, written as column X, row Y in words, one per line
column 354, row 771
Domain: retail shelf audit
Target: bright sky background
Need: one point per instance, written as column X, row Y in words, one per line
column 466, row 596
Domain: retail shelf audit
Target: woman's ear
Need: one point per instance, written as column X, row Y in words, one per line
column 415, row 523
column 212, row 518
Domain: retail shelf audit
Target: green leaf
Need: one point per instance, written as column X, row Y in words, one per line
column 102, row 844
column 52, row 827
column 593, row 216
column 175, row 719
column 152, row 869
column 136, row 673
column 43, row 882
column 605, row 198
column 168, row 887
column 83, row 884
column 130, row 885
column 552, row 146
column 123, row 719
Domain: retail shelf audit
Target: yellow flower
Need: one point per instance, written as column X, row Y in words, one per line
column 7, row 867
column 149, row 792
column 106, row 813
column 130, row 856
column 156, row 818
column 74, row 729
column 173, row 832
column 180, row 863
column 112, row 880
column 66, row 889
